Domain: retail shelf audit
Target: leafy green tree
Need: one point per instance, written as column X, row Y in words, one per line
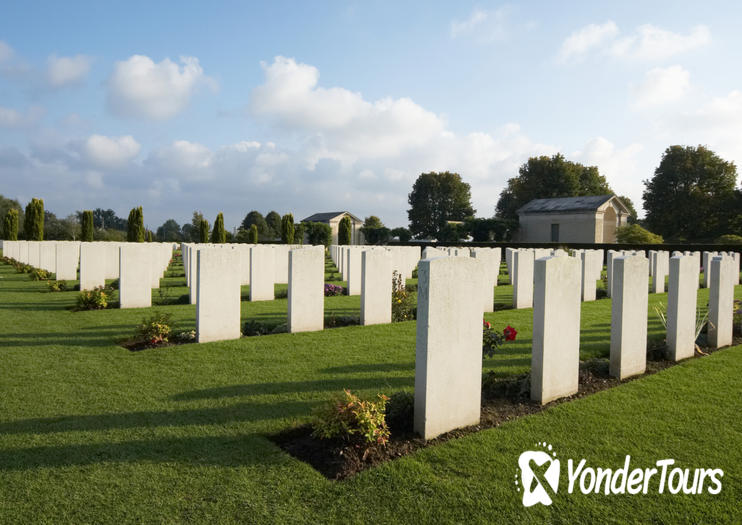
column 374, row 231
column 107, row 220
column 299, row 230
column 56, row 229
column 253, row 234
column 287, row 229
column 218, row 235
column 635, row 234
column 150, row 236
column 135, row 225
column 87, row 226
column 549, row 177
column 633, row 216
column 484, row 230
column 403, row 234
column 203, row 231
column 170, row 231
column 256, row 218
column 10, row 225
column 435, row 199
column 318, row 233
column 7, row 204
column 452, row 232
column 691, row 196
column 729, row 239
column 33, row 224
column 273, row 221
column 345, row 231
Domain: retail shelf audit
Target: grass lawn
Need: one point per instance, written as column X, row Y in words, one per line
column 93, row 433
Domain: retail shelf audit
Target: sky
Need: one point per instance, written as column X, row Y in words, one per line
column 309, row 107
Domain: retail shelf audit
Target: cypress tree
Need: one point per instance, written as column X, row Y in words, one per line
column 10, row 225
column 150, row 237
column 203, row 231
column 135, row 225
column 33, row 225
column 344, row 230
column 252, row 234
column 218, row 235
column 87, row 226
column 299, row 233
column 287, row 229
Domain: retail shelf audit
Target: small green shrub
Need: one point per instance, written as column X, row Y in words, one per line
column 156, row 329
column 350, row 418
column 283, row 293
column 737, row 317
column 333, row 321
column 186, row 336
column 635, row 234
column 253, row 328
column 37, row 274
column 400, row 412
column 282, row 328
column 729, row 239
column 95, row 299
column 57, row 286
column 402, row 306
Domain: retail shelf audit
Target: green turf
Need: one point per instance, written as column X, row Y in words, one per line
column 93, row 433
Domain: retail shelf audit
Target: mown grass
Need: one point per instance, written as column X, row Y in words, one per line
column 93, row 433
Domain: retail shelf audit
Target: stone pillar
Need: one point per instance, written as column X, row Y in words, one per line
column 306, row 289
column 218, row 295
column 92, row 265
column 609, row 270
column 682, row 296
column 491, row 264
column 66, row 260
column 555, row 359
column 721, row 302
column 509, row 263
column 522, row 272
column 660, row 268
column 262, row 273
column 134, row 272
column 353, row 270
column 376, row 287
column 629, row 317
column 448, row 353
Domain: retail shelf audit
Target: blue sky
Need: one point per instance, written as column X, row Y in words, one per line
column 322, row 106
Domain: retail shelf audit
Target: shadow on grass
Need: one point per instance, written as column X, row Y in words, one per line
column 368, row 367
column 330, row 386
column 227, row 451
column 247, row 412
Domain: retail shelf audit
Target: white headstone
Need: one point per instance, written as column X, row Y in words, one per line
column 376, row 287
column 306, row 289
column 682, row 297
column 218, row 295
column 522, row 271
column 721, row 302
column 134, row 281
column 92, row 265
column 262, row 273
column 629, row 317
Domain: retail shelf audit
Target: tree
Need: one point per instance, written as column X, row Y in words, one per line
column 485, row 230
column 345, row 231
column 287, row 229
column 256, row 218
column 549, row 177
column 374, row 231
column 150, row 236
column 135, row 225
column 435, row 199
column 299, row 230
column 33, row 224
column 635, row 234
column 56, row 229
column 403, row 234
column 273, row 221
column 107, row 219
column 203, row 231
column 691, row 196
column 10, row 225
column 87, row 226
column 253, row 234
column 8, row 204
column 218, row 235
column 318, row 233
column 170, row 231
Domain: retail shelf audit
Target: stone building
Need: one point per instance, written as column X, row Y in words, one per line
column 591, row 219
column 333, row 219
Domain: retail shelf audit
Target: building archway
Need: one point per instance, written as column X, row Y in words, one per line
column 610, row 220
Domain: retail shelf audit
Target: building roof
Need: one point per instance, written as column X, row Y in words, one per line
column 328, row 216
column 568, row 204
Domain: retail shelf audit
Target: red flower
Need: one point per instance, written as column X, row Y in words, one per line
column 486, row 324
column 509, row 333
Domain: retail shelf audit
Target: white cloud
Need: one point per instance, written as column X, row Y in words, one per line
column 654, row 43
column 486, row 25
column 110, row 152
column 139, row 87
column 662, row 86
column 647, row 43
column 63, row 71
column 620, row 166
column 6, row 52
column 11, row 118
column 576, row 45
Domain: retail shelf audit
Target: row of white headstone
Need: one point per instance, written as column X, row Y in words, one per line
column 138, row 266
column 348, row 260
column 448, row 358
